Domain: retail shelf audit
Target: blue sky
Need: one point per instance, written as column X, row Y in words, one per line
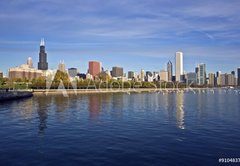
column 134, row 34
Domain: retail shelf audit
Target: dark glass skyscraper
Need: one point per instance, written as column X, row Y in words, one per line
column 238, row 73
column 42, row 64
column 169, row 70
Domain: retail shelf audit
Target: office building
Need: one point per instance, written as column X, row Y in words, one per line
column 211, row 79
column 42, row 64
column 238, row 76
column 179, row 66
column 131, row 75
column 72, row 72
column 149, row 76
column 163, row 75
column 1, row 74
column 169, row 70
column 94, row 68
column 217, row 78
column 201, row 75
column 61, row 67
column 231, row 81
column 142, row 75
column 24, row 72
column 191, row 78
column 117, row 72
column 223, row 80
column 30, row 62
column 156, row 76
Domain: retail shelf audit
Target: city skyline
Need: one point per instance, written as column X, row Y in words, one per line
column 138, row 35
column 179, row 66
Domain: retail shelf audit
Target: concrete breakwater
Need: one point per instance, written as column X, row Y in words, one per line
column 11, row 95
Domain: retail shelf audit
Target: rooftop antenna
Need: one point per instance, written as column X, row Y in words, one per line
column 42, row 42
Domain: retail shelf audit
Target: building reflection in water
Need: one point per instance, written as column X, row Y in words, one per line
column 118, row 104
column 180, row 110
column 24, row 108
column 42, row 110
column 105, row 102
column 94, row 105
column 169, row 105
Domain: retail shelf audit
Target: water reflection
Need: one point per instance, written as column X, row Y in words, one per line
column 180, row 110
column 42, row 110
column 94, row 106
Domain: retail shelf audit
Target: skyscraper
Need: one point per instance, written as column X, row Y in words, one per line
column 149, row 76
column 42, row 64
column 191, row 78
column 72, row 72
column 238, row 71
column 1, row 74
column 94, row 68
column 61, row 67
column 201, row 74
column 164, row 75
column 131, row 75
column 117, row 72
column 169, row 70
column 211, row 79
column 142, row 75
column 30, row 62
column 231, row 80
column 179, row 66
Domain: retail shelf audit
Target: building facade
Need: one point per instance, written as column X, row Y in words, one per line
column 211, row 79
column 164, row 75
column 61, row 67
column 201, row 75
column 149, row 76
column 72, row 72
column 117, row 71
column 238, row 76
column 179, row 66
column 42, row 64
column 24, row 72
column 142, row 75
column 169, row 70
column 231, row 81
column 30, row 62
column 191, row 78
column 94, row 68
column 223, row 80
column 131, row 75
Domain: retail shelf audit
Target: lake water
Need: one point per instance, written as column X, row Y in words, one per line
column 121, row 129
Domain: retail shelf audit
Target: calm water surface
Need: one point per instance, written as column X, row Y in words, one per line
column 121, row 129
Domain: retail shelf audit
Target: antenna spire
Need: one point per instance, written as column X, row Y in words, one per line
column 42, row 42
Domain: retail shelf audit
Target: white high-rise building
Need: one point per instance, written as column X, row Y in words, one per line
column 179, row 66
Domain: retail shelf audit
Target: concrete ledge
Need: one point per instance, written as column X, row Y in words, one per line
column 13, row 95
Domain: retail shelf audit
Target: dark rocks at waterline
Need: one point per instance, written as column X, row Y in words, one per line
column 13, row 95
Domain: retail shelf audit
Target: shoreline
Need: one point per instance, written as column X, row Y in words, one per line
column 100, row 91
column 14, row 95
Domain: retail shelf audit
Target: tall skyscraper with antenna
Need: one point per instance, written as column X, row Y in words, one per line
column 42, row 64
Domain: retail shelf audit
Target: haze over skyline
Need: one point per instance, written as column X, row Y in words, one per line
column 132, row 34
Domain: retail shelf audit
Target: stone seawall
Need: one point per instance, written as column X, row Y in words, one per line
column 11, row 95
